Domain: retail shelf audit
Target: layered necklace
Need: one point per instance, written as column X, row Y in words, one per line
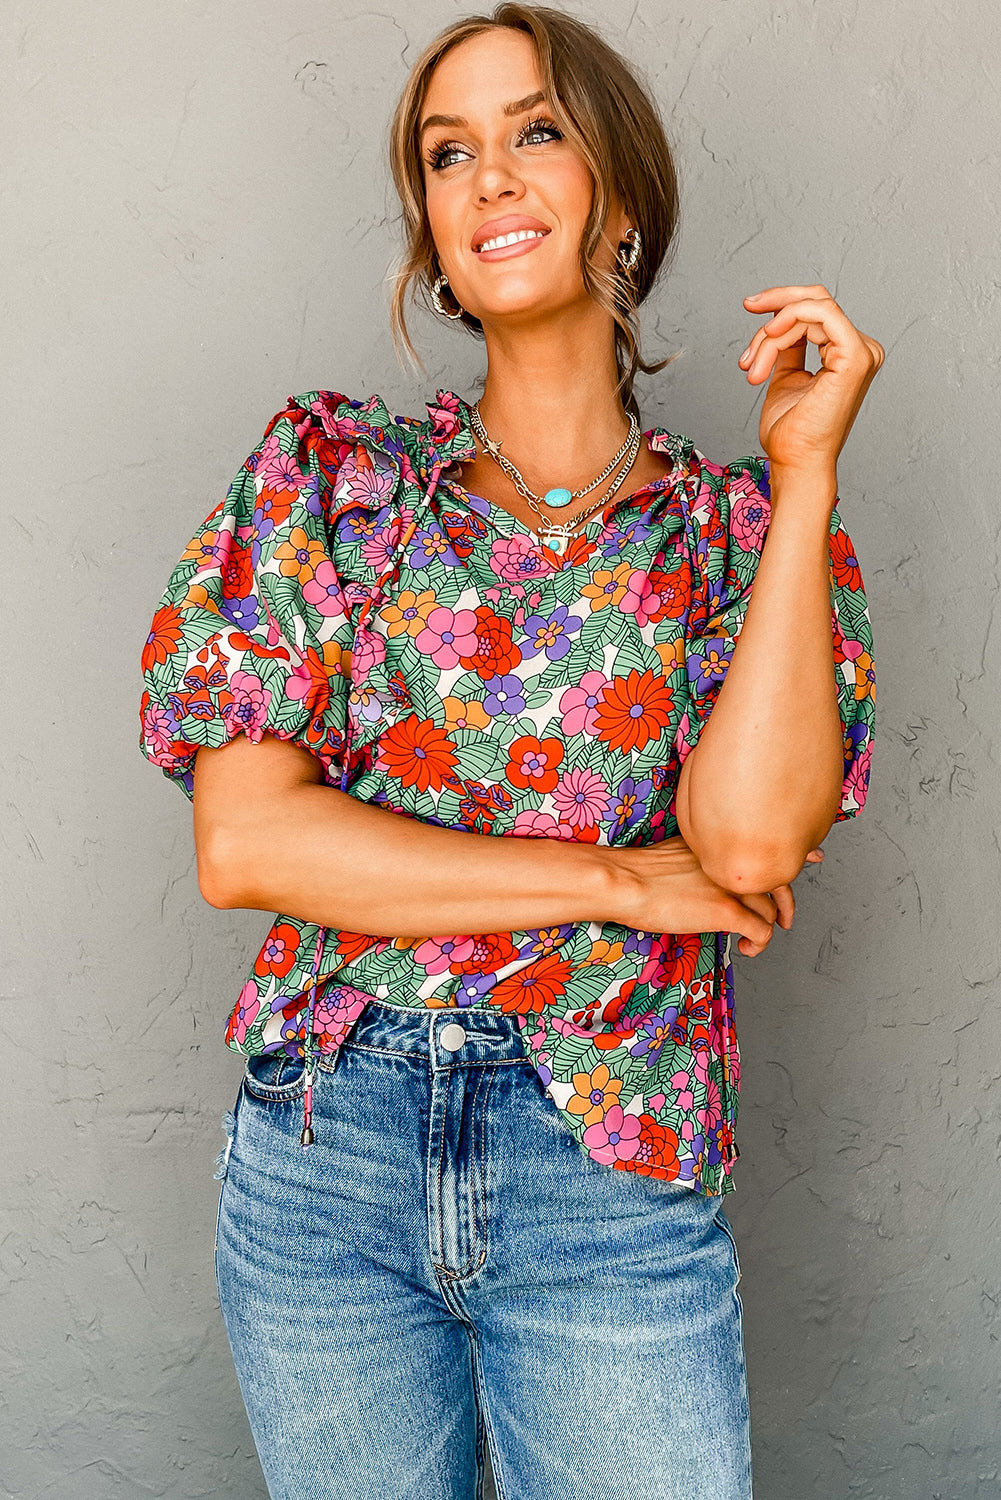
column 556, row 534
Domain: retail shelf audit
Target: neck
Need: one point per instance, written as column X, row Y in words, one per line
column 550, row 395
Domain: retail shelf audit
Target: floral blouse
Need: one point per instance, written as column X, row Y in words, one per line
column 349, row 595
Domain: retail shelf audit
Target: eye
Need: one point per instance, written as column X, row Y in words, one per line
column 437, row 156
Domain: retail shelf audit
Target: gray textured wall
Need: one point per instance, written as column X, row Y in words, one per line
column 197, row 223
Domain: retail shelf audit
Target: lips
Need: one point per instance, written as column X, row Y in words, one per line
column 510, row 224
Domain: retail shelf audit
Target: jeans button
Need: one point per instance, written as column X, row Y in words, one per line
column 452, row 1036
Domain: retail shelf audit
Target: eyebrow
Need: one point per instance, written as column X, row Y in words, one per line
column 517, row 107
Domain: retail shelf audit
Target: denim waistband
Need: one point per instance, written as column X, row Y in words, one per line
column 441, row 1038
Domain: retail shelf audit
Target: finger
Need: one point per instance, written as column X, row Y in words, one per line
column 785, row 903
column 820, row 323
column 777, row 296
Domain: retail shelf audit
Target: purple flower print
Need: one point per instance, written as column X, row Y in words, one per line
column 654, row 1034
column 628, row 804
column 245, row 614
column 551, row 634
column 472, row 987
column 505, row 695
column 432, row 545
column 708, row 665
column 622, row 537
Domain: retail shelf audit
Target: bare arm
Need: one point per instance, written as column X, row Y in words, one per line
column 270, row 835
column 763, row 784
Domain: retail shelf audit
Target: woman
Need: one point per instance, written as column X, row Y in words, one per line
column 506, row 1014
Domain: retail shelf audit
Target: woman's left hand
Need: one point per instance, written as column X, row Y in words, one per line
column 806, row 418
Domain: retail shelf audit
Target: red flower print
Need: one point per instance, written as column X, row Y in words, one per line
column 417, row 753
column 657, row 1152
column 532, row 763
column 491, row 951
column 278, row 954
column 844, row 563
column 633, row 710
column 164, row 636
column 495, row 654
column 237, row 573
column 540, row 983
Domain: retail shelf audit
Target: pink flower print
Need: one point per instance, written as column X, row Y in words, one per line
column 245, row 1011
column 579, row 704
column 516, row 557
column 367, row 651
column 447, row 635
column 368, row 483
column 277, row 470
column 249, row 709
column 539, row 825
column 857, row 780
column 337, row 1007
column 709, row 1116
column 685, row 1098
column 581, row 798
column 160, row 728
column 438, row 954
column 750, row 513
column 615, row 1137
column 641, row 599
column 687, row 1130
column 323, row 591
column 656, row 1102
column 377, row 550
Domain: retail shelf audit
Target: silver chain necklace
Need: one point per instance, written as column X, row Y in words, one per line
column 557, row 534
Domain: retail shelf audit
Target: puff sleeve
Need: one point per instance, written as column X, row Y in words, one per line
column 727, row 527
column 252, row 631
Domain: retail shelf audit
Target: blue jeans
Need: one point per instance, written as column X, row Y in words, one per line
column 445, row 1270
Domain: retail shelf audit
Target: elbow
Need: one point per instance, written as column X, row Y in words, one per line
column 218, row 864
column 755, row 871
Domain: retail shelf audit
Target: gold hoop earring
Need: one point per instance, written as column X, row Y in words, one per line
column 439, row 306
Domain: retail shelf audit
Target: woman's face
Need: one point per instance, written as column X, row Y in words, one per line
column 489, row 173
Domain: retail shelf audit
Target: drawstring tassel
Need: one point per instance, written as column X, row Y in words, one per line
column 307, row 1138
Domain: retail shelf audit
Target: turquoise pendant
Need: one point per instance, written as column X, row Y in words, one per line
column 557, row 498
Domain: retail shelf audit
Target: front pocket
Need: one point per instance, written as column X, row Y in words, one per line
column 275, row 1077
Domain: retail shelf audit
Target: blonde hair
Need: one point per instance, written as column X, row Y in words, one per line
column 601, row 107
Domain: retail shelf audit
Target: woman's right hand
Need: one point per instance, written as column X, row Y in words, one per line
column 671, row 892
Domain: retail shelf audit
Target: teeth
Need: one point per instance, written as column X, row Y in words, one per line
column 511, row 239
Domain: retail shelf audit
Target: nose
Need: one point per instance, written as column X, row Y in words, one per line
column 497, row 177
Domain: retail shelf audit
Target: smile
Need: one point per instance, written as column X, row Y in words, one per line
column 514, row 243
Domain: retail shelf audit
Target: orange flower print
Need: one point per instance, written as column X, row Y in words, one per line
column 607, row 588
column 300, row 556
column 164, row 636
column 593, row 1093
column 278, row 955
column 417, row 753
column 540, row 983
column 462, row 715
column 208, row 547
column 532, row 763
column 633, row 710
column 408, row 614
